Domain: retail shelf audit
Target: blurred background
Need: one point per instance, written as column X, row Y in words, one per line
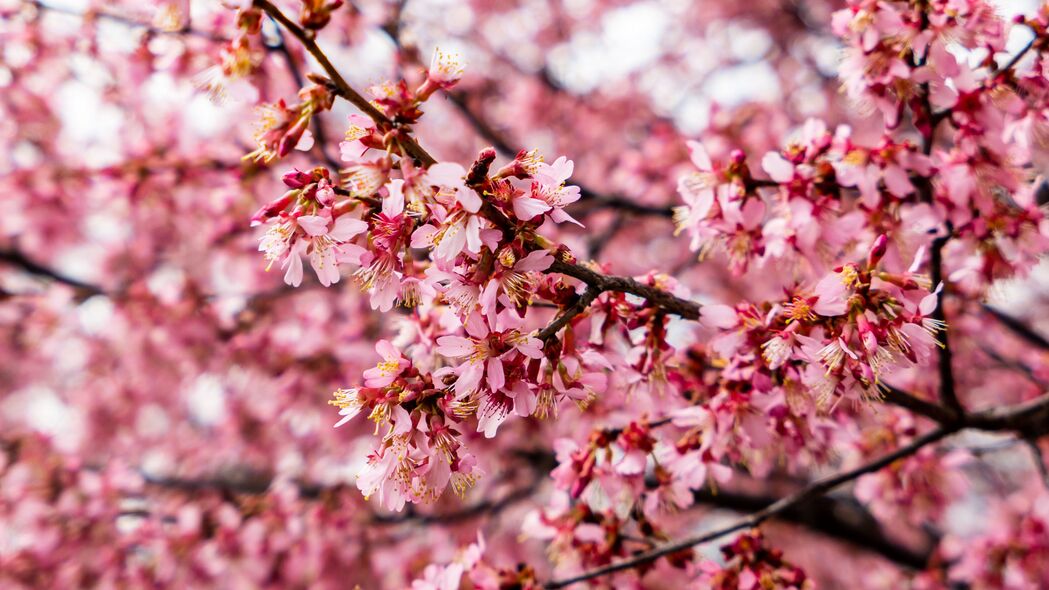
column 163, row 399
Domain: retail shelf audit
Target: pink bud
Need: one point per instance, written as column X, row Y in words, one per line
column 881, row 244
column 292, row 137
column 273, row 208
column 296, row 178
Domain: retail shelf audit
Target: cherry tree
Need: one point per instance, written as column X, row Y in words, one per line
column 537, row 294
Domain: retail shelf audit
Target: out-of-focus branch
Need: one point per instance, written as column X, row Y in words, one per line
column 595, row 199
column 838, row 519
column 898, row 397
column 255, row 486
column 124, row 20
column 339, row 85
column 1018, row 327
column 20, row 260
column 780, row 506
column 1039, row 461
column 321, row 143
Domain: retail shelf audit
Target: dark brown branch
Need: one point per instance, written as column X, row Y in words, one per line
column 123, row 20
column 812, row 491
column 20, row 260
column 842, row 520
column 898, row 397
column 1018, row 327
column 1039, row 461
column 655, row 296
column 581, row 304
column 1016, row 58
column 339, row 85
column 1029, row 419
column 948, row 393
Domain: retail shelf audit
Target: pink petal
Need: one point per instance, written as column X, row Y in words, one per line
column 454, row 346
column 777, row 167
column 699, row 156
column 393, row 204
column 314, row 225
column 538, row 260
column 496, row 377
column 446, row 174
column 468, row 199
column 346, row 228
column 717, row 316
column 526, row 208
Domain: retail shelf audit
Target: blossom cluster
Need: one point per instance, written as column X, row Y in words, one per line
column 211, row 222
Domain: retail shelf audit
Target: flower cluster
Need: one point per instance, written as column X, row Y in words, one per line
column 751, row 565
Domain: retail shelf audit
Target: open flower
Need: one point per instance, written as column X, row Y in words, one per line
column 446, row 69
column 387, row 371
column 549, row 194
column 316, row 236
column 482, row 378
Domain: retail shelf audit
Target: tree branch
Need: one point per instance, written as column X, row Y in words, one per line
column 838, row 519
column 1017, row 327
column 255, row 486
column 20, row 260
column 898, row 397
column 655, row 296
column 130, row 22
column 581, row 304
column 812, row 491
column 339, row 85
column 1039, row 461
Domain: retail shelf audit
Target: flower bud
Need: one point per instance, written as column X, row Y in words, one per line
column 881, row 244
column 296, row 179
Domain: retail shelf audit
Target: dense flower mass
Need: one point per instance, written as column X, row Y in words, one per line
column 800, row 320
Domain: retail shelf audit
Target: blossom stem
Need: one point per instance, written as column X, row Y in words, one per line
column 339, row 85
column 1030, row 420
column 814, row 490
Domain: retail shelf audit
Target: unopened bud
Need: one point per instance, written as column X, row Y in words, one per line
column 881, row 244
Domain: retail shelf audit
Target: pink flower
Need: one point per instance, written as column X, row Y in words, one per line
column 487, row 355
column 450, row 238
column 832, row 294
column 451, row 177
column 388, row 472
column 358, row 138
column 446, row 69
column 387, row 371
column 548, row 193
column 324, row 241
column 777, row 167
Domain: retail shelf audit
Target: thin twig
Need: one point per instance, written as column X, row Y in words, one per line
column 581, row 304
column 812, row 491
column 1039, row 461
column 1016, row 58
column 321, row 143
column 20, row 260
column 123, row 20
column 1018, row 327
column 339, row 84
